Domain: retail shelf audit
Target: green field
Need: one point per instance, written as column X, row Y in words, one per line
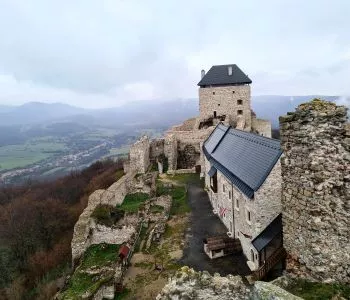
column 17, row 156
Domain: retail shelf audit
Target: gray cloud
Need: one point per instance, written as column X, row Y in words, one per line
column 101, row 53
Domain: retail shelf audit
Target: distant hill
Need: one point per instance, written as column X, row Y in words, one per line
column 36, row 112
column 143, row 114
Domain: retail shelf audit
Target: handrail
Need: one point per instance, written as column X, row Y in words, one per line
column 276, row 257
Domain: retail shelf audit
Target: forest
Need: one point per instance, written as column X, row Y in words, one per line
column 36, row 228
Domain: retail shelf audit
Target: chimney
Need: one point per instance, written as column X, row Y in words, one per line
column 202, row 74
column 229, row 69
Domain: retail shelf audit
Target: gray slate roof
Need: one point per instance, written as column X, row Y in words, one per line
column 245, row 158
column 218, row 75
column 268, row 234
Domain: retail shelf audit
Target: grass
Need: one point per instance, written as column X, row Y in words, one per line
column 178, row 192
column 18, row 156
column 100, row 255
column 144, row 265
column 186, row 178
column 107, row 215
column 156, row 209
column 124, row 293
column 81, row 282
column 132, row 202
column 318, row 291
column 141, row 238
column 180, row 203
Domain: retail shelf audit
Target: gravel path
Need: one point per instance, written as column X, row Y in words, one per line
column 203, row 224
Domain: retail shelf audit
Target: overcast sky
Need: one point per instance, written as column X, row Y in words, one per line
column 100, row 53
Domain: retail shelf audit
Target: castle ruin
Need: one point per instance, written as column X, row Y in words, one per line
column 316, row 190
column 224, row 96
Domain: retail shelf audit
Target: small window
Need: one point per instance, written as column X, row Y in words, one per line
column 237, row 204
column 249, row 216
column 214, row 114
column 229, row 194
column 213, row 93
column 237, row 233
column 240, row 102
column 252, row 255
column 219, row 104
column 233, row 92
column 223, row 188
column 240, row 112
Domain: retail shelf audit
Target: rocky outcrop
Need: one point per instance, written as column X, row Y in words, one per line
column 189, row 284
column 268, row 291
column 316, row 190
column 87, row 232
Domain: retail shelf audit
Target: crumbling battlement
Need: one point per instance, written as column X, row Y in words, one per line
column 140, row 155
column 316, row 189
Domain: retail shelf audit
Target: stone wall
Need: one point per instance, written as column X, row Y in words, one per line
column 225, row 101
column 189, row 284
column 170, row 151
column 187, row 125
column 156, row 149
column 140, row 155
column 262, row 127
column 316, row 190
column 113, row 196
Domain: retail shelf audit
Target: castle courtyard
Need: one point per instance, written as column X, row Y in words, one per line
column 204, row 223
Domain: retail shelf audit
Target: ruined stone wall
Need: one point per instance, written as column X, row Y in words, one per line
column 156, row 149
column 175, row 147
column 170, row 151
column 262, row 127
column 140, row 155
column 316, row 189
column 187, row 125
column 113, row 196
column 225, row 101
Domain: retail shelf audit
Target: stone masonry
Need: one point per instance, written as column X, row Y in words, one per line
column 230, row 100
column 140, row 155
column 316, row 190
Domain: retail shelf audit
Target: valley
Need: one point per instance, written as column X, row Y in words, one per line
column 52, row 156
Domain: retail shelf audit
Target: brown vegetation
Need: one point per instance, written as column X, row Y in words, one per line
column 36, row 227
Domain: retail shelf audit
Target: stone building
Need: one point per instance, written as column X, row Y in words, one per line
column 243, row 180
column 224, row 96
column 316, row 190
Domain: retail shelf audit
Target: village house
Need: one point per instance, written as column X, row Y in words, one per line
column 243, row 181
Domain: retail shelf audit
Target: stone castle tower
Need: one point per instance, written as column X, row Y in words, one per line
column 316, row 190
column 224, row 96
column 224, row 93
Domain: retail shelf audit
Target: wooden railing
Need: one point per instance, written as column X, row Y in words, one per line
column 276, row 257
